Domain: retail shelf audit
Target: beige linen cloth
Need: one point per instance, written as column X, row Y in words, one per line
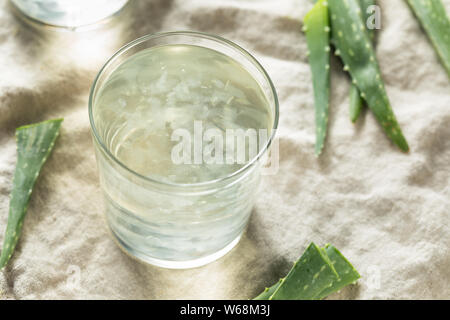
column 387, row 211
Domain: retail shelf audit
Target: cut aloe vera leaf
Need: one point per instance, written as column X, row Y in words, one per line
column 435, row 21
column 268, row 292
column 34, row 144
column 321, row 284
column 317, row 30
column 356, row 102
column 347, row 273
column 354, row 46
column 309, row 276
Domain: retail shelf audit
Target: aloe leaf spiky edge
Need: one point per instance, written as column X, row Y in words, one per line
column 356, row 102
column 356, row 50
column 268, row 292
column 347, row 273
column 309, row 276
column 317, row 30
column 435, row 21
column 34, row 145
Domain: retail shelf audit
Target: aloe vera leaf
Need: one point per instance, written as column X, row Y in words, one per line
column 356, row 102
column 355, row 48
column 34, row 144
column 434, row 19
column 365, row 5
column 347, row 273
column 309, row 276
column 268, row 292
column 317, row 30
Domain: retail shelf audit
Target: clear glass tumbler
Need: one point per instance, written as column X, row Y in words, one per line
column 166, row 223
column 68, row 13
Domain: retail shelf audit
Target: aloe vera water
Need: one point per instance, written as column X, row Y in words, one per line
column 138, row 111
column 161, row 90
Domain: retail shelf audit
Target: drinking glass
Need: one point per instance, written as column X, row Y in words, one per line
column 162, row 222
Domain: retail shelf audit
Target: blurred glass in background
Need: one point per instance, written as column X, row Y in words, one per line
column 68, row 13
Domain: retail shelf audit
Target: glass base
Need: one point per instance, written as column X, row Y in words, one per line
column 170, row 264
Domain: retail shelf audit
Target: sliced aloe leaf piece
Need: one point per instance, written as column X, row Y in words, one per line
column 347, row 273
column 318, row 273
column 309, row 276
column 268, row 292
column 34, row 144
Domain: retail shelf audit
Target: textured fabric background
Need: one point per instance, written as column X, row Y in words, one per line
column 387, row 211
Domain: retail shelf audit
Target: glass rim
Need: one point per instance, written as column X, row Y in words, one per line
column 216, row 38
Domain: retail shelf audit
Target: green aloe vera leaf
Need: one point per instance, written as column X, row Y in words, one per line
column 365, row 5
column 356, row 102
column 34, row 144
column 317, row 29
column 354, row 46
column 347, row 273
column 268, row 292
column 309, row 276
column 434, row 19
